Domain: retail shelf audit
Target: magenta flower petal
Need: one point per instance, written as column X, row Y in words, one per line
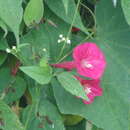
column 90, row 60
column 69, row 65
column 92, row 89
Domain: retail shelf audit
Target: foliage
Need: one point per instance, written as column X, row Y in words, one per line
column 36, row 91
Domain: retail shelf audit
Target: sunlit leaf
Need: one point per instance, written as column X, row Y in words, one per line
column 33, row 12
column 72, row 85
column 11, row 14
column 126, row 9
column 42, row 75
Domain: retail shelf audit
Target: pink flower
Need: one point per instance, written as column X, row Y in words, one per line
column 92, row 89
column 89, row 61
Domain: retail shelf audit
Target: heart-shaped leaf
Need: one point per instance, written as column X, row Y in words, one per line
column 72, row 85
column 33, row 12
column 113, row 38
column 126, row 9
column 42, row 75
column 11, row 14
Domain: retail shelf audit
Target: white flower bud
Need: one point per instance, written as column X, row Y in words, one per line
column 114, row 3
column 8, row 50
column 63, row 39
column 61, row 36
column 59, row 41
column 68, row 42
column 44, row 49
column 14, row 47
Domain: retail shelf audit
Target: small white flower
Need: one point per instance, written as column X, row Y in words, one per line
column 14, row 47
column 60, row 35
column 59, row 41
column 68, row 42
column 63, row 39
column 8, row 50
column 44, row 49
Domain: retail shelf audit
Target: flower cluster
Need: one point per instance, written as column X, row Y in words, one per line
column 10, row 50
column 63, row 39
column 89, row 61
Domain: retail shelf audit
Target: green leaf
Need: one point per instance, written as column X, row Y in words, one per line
column 126, row 9
column 9, row 120
column 76, row 108
column 15, row 89
column 5, row 78
column 11, row 14
column 95, row 128
column 42, row 75
column 46, row 117
column 114, row 40
column 79, row 126
column 51, row 112
column 3, row 45
column 33, row 12
column 3, row 57
column 37, row 40
column 4, row 27
column 12, row 88
column 46, row 36
column 71, row 120
column 72, row 85
column 65, row 2
column 30, row 119
column 69, row 17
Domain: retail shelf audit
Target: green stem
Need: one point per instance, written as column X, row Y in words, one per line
column 17, row 39
column 38, row 97
column 89, row 36
column 95, row 22
column 76, row 10
column 65, row 56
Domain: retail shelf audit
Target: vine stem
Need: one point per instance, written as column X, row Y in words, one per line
column 76, row 10
column 64, row 56
column 89, row 36
column 95, row 22
column 17, row 40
